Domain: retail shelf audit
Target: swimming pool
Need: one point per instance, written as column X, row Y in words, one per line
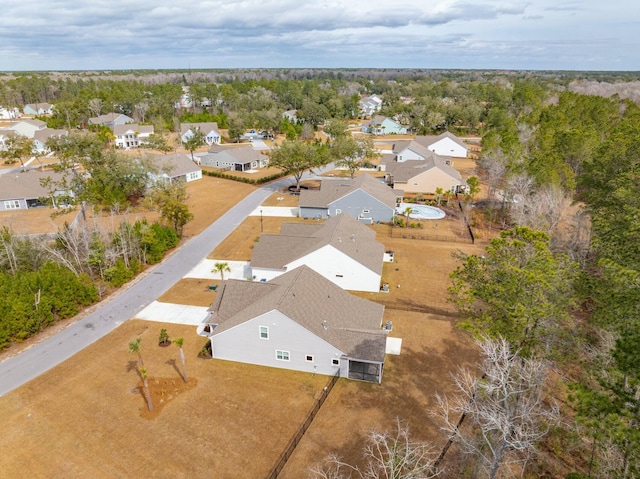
column 421, row 212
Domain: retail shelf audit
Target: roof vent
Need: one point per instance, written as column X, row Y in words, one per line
column 353, row 238
column 324, row 324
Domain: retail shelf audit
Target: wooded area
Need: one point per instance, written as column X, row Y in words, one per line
column 558, row 288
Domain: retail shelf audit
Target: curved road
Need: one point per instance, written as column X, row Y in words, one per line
column 19, row 369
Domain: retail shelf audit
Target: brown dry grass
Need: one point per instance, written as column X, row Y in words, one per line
column 87, row 417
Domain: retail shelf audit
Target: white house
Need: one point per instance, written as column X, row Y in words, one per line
column 446, row 144
column 9, row 113
column 297, row 321
column 38, row 109
column 132, row 135
column 291, row 116
column 341, row 249
column 209, row 130
column 370, row 105
column 27, row 127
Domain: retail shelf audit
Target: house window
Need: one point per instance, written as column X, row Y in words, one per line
column 335, row 362
column 12, row 205
column 282, row 355
column 338, row 211
column 264, row 332
column 309, row 358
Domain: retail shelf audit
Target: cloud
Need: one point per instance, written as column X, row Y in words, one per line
column 120, row 34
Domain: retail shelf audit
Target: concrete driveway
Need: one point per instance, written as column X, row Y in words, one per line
column 173, row 313
column 239, row 270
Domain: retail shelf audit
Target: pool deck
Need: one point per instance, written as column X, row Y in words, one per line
column 416, row 214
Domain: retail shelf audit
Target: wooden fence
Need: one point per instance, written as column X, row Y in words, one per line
column 303, row 428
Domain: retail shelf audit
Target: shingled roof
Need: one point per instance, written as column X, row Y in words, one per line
column 175, row 165
column 296, row 240
column 25, row 185
column 332, row 190
column 428, row 140
column 351, row 324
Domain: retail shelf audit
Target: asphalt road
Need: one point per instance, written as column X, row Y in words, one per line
column 18, row 370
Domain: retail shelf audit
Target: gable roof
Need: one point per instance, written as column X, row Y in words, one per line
column 296, row 240
column 25, row 185
column 109, row 118
column 429, row 140
column 332, row 190
column 39, row 106
column 349, row 323
column 405, row 170
column 205, row 127
column 46, row 133
column 241, row 154
column 134, row 127
column 175, row 165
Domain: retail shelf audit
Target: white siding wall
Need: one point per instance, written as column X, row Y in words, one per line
column 340, row 269
column 408, row 154
column 448, row 147
column 266, row 273
column 243, row 344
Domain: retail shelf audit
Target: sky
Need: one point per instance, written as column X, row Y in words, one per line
column 212, row 34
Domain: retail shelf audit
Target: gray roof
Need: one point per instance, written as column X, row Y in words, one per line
column 295, row 240
column 109, row 118
column 175, row 165
column 405, row 170
column 37, row 106
column 419, row 148
column 349, row 323
column 25, row 185
column 332, row 190
column 240, row 154
column 429, row 140
column 46, row 133
column 205, row 127
column 120, row 129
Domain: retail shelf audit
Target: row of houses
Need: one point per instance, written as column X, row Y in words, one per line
column 129, row 134
column 24, row 190
column 296, row 312
column 33, row 129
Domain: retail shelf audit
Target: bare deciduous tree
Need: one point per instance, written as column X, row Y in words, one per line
column 387, row 455
column 505, row 409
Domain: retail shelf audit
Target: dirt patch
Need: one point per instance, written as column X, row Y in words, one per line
column 191, row 292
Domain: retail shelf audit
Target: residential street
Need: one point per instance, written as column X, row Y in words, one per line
column 124, row 305
column 18, row 370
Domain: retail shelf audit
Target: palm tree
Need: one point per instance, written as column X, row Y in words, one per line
column 221, row 268
column 407, row 211
column 179, row 342
column 134, row 347
column 145, row 383
column 439, row 193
